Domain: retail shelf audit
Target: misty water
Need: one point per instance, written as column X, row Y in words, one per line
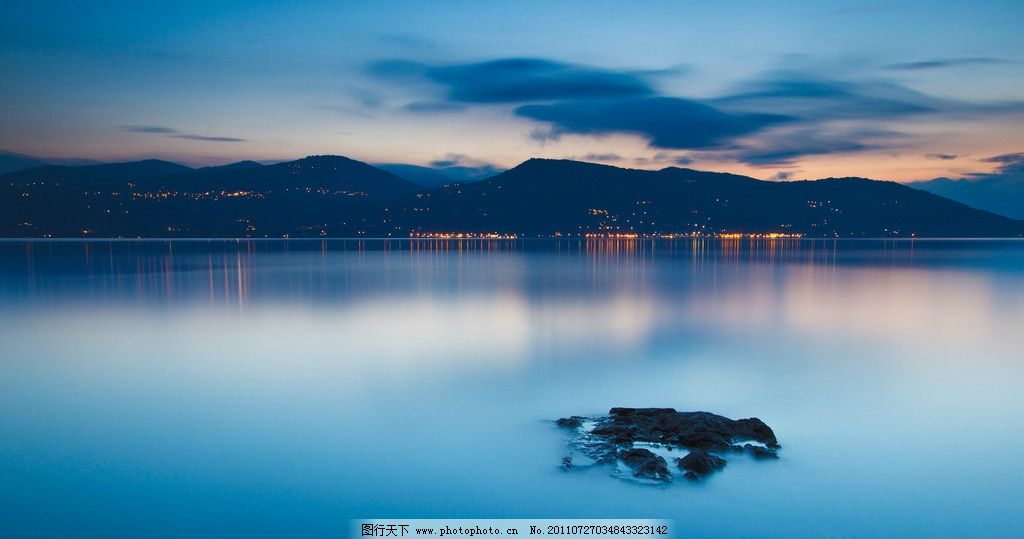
column 280, row 388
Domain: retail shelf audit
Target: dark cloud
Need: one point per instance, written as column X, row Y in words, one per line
column 781, row 176
column 941, row 156
column 519, row 80
column 944, row 63
column 1000, row 191
column 1006, row 158
column 1009, row 172
column 785, row 148
column 174, row 133
column 668, row 122
column 775, row 157
column 770, row 120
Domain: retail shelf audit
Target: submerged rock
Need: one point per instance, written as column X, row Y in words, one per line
column 631, row 436
column 700, row 430
column 699, row 463
column 570, row 422
column 645, row 464
column 759, row 452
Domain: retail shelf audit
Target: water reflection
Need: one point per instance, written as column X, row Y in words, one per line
column 281, row 387
column 222, row 271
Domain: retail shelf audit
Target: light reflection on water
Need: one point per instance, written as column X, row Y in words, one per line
column 243, row 388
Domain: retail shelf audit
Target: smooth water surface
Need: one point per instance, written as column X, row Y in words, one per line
column 280, row 388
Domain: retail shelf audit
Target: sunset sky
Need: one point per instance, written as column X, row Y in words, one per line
column 802, row 89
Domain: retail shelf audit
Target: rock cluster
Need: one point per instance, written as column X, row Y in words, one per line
column 628, row 438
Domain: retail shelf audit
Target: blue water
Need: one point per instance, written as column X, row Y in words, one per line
column 280, row 388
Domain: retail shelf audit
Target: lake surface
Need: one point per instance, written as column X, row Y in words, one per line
column 280, row 388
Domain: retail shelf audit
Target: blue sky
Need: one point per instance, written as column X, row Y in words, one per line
column 906, row 90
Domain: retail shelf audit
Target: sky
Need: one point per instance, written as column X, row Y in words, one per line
column 903, row 91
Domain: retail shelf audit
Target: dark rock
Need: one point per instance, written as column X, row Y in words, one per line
column 701, row 463
column 611, row 438
column 759, row 452
column 645, row 464
column 619, row 434
column 761, row 432
column 698, row 430
column 570, row 422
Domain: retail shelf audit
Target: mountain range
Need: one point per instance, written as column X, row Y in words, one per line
column 998, row 194
column 340, row 197
column 13, row 162
column 431, row 177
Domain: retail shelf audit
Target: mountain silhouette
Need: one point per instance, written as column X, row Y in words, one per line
column 337, row 196
column 103, row 172
column 558, row 196
column 157, row 198
column 425, row 177
column 13, row 162
column 432, row 177
column 998, row 194
column 239, row 165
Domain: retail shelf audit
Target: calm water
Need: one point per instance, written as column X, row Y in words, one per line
column 279, row 388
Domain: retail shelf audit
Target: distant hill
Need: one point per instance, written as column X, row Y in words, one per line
column 998, row 194
column 467, row 174
column 157, row 198
column 431, row 177
column 12, row 162
column 240, row 165
column 570, row 197
column 337, row 196
column 113, row 171
column 425, row 177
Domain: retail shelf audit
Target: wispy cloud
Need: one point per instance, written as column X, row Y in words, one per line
column 664, row 158
column 941, row 63
column 602, row 157
column 457, row 160
column 432, row 106
column 174, row 133
column 465, row 168
column 788, row 145
column 148, row 129
column 1007, row 158
column 209, row 139
column 815, row 98
column 941, row 156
